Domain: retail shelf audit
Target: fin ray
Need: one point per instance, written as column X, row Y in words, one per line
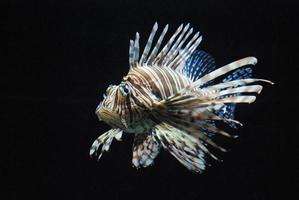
column 105, row 141
column 199, row 64
column 185, row 148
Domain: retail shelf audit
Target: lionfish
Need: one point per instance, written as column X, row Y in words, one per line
column 173, row 98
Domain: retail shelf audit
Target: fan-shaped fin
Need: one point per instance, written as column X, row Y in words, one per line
column 184, row 147
column 145, row 149
column 199, row 64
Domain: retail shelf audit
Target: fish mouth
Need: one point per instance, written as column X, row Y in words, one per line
column 109, row 117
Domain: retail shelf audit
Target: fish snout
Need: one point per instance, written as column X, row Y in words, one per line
column 109, row 117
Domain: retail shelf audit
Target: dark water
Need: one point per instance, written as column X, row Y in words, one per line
column 58, row 57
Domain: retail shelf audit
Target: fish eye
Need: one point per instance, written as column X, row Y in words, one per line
column 124, row 89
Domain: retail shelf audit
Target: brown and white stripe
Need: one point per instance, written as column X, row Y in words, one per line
column 173, row 53
column 162, row 106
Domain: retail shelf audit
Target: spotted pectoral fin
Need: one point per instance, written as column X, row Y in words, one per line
column 145, row 149
column 105, row 141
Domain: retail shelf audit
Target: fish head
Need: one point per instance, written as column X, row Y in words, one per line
column 124, row 105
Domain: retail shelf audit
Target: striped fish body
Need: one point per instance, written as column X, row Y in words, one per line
column 163, row 82
column 159, row 83
column 172, row 97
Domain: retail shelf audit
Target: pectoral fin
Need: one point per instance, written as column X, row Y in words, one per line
column 105, row 141
column 184, row 147
column 145, row 149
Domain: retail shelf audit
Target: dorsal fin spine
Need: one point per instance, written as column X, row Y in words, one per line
column 157, row 46
column 179, row 47
column 148, row 44
column 175, row 45
column 136, row 49
column 167, row 46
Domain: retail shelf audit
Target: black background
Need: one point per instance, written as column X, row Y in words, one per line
column 58, row 57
